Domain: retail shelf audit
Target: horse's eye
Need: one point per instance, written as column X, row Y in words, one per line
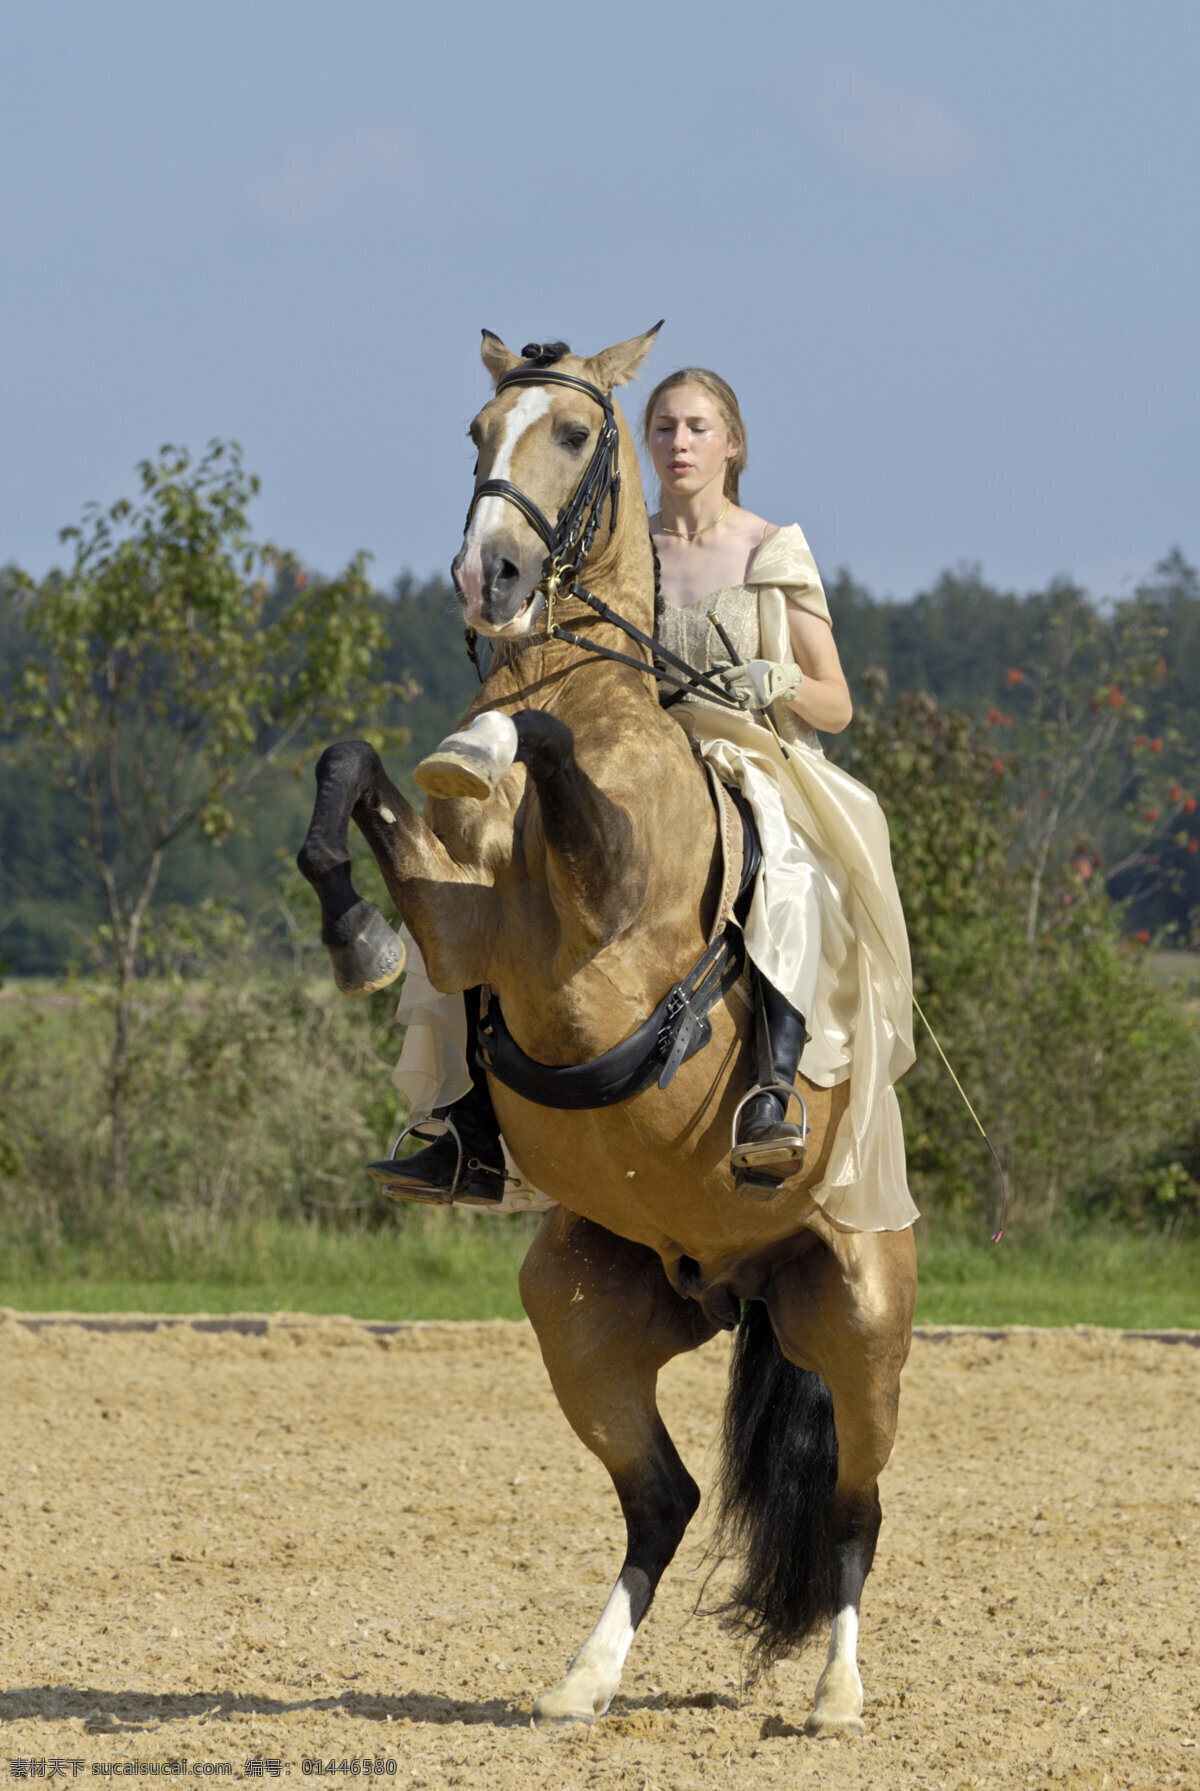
column 576, row 438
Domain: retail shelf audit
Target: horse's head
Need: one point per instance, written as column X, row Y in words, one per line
column 548, row 434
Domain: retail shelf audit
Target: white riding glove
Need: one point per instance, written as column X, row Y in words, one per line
column 760, row 682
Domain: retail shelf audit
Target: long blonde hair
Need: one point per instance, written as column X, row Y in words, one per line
column 725, row 398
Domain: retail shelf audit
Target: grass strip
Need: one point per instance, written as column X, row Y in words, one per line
column 443, row 1265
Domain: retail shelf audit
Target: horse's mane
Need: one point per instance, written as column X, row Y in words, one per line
column 544, row 354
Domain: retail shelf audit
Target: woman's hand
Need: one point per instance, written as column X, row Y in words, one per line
column 758, row 683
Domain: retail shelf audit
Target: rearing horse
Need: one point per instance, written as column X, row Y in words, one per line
column 580, row 881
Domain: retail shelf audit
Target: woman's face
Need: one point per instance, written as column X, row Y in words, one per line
column 690, row 443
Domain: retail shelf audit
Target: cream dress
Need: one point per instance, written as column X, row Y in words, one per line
column 825, row 924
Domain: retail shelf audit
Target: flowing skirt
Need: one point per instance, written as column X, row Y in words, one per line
column 826, row 927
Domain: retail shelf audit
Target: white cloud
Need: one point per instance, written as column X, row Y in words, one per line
column 363, row 177
column 889, row 132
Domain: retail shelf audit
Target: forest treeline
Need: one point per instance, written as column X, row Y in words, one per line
column 961, row 642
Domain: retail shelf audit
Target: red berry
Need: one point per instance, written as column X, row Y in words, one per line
column 1189, row 805
column 1156, row 743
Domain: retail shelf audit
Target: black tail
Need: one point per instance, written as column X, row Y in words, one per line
column 778, row 1472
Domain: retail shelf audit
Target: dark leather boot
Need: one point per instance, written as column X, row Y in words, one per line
column 438, row 1173
column 769, row 1149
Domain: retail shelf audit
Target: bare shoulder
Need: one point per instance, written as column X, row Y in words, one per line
column 752, row 531
column 754, row 527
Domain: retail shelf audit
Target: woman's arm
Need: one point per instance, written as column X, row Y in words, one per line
column 823, row 700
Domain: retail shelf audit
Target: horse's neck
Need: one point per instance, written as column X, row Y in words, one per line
column 622, row 570
column 622, row 573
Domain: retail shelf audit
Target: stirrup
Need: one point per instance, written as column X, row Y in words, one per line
column 752, row 1181
column 465, row 1168
column 440, row 1197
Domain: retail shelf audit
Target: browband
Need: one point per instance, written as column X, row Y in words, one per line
column 546, row 376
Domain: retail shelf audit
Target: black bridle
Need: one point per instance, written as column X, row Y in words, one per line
column 569, row 542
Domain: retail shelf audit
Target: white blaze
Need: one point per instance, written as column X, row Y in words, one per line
column 531, row 405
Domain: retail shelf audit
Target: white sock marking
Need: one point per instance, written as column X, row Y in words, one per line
column 498, row 733
column 599, row 1662
column 843, row 1637
column 491, row 511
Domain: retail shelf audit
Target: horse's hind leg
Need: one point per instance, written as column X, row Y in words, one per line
column 607, row 1320
column 846, row 1311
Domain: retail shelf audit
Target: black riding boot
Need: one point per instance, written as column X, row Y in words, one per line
column 431, row 1174
column 769, row 1149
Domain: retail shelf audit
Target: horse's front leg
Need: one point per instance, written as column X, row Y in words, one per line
column 352, row 785
column 607, row 1320
column 596, row 873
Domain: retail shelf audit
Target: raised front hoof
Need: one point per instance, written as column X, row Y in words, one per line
column 459, row 771
column 374, row 955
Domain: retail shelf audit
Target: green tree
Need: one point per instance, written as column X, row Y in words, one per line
column 1058, row 1034
column 174, row 662
column 1094, row 784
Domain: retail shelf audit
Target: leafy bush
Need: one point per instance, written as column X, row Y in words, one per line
column 255, row 1091
column 1082, row 1067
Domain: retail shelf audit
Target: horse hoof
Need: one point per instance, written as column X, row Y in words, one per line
column 569, row 1702
column 373, row 956
column 470, row 763
column 546, row 1720
column 830, row 1728
column 457, row 771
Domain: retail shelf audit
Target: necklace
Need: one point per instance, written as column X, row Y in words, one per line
column 683, row 534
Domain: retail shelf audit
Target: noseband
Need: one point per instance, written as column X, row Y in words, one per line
column 569, row 540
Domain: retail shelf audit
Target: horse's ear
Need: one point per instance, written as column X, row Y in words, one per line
column 496, row 358
column 615, row 365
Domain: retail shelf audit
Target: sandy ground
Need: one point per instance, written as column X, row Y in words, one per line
column 319, row 1543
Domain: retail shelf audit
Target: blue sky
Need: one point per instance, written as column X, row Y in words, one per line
column 947, row 253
